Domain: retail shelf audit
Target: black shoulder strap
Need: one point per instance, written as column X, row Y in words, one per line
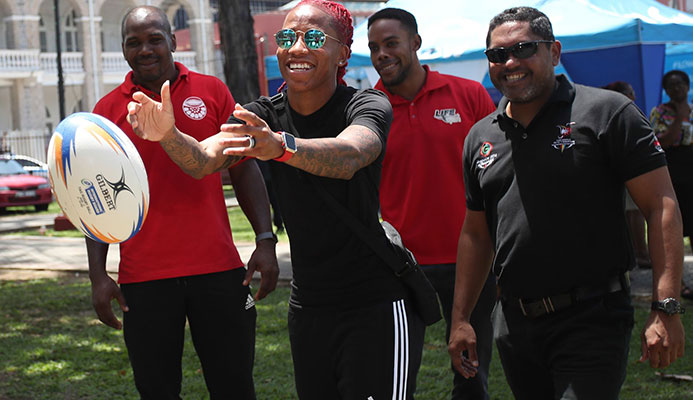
column 278, row 101
column 377, row 242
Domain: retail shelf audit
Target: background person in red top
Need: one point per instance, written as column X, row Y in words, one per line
column 183, row 263
column 422, row 187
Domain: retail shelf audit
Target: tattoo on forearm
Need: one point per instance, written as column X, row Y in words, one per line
column 230, row 160
column 189, row 157
column 335, row 158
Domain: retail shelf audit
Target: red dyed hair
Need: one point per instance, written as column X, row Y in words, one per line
column 343, row 23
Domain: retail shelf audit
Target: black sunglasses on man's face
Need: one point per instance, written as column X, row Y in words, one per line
column 519, row 50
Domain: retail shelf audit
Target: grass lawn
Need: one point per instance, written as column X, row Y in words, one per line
column 53, row 347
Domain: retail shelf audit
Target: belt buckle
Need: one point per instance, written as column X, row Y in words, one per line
column 522, row 307
column 546, row 302
column 546, row 307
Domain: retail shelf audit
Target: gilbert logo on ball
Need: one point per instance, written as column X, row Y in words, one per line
column 98, row 178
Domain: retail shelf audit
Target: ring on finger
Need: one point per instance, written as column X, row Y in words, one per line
column 251, row 141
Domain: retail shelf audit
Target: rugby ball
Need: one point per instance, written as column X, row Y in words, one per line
column 98, row 178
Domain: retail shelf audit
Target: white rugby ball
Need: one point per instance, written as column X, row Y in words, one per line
column 98, row 178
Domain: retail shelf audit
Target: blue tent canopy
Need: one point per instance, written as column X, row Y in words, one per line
column 603, row 40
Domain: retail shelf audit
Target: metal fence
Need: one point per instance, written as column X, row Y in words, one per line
column 32, row 143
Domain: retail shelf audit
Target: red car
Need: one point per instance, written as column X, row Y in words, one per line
column 18, row 188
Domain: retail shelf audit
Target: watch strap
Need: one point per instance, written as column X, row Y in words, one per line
column 265, row 236
column 284, row 157
column 662, row 305
column 287, row 154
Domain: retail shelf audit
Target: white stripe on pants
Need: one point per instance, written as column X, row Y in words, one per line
column 401, row 360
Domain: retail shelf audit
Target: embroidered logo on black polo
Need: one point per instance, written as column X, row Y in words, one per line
column 449, row 116
column 658, row 146
column 194, row 108
column 564, row 140
column 488, row 158
column 485, row 149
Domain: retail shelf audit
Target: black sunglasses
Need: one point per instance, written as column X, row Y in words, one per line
column 314, row 38
column 518, row 50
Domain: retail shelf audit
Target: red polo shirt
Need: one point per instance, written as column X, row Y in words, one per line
column 422, row 186
column 187, row 228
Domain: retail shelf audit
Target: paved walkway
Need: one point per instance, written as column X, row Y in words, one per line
column 17, row 223
column 69, row 254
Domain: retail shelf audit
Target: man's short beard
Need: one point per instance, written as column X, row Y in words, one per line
column 400, row 78
column 526, row 97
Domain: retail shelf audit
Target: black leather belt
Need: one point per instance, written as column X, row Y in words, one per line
column 533, row 308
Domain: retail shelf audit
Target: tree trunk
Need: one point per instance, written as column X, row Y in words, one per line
column 238, row 46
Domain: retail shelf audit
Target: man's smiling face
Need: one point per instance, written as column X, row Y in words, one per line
column 528, row 79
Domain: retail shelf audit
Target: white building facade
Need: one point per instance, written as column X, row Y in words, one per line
column 92, row 59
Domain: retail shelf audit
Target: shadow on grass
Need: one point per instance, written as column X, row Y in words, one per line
column 53, row 347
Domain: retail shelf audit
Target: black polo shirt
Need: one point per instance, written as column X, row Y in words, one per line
column 553, row 192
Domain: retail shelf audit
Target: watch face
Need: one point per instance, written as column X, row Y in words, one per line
column 290, row 142
column 670, row 307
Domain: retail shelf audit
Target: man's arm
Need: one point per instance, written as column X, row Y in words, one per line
column 103, row 288
column 663, row 335
column 251, row 194
column 155, row 121
column 339, row 157
column 474, row 256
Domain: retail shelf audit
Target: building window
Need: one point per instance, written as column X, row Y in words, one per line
column 49, row 125
column 214, row 9
column 43, row 36
column 180, row 19
column 71, row 32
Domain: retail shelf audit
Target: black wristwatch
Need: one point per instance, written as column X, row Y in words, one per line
column 669, row 306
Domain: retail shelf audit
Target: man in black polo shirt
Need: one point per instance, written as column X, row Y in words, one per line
column 545, row 176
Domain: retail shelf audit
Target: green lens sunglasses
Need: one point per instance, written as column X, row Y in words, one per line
column 313, row 38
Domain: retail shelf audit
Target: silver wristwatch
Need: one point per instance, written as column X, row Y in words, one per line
column 669, row 306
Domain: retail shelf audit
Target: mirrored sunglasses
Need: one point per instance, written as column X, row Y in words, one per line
column 313, row 38
column 519, row 50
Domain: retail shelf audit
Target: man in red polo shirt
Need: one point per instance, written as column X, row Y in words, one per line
column 422, row 188
column 183, row 263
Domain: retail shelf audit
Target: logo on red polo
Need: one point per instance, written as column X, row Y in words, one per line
column 194, row 108
column 448, row 115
